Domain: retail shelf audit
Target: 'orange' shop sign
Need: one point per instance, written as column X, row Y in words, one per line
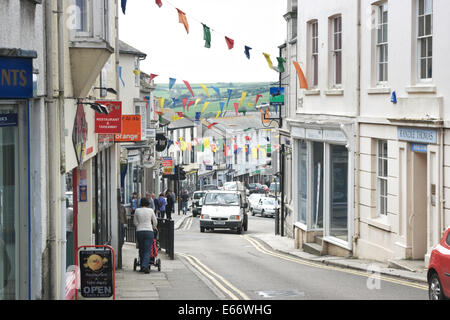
column 131, row 129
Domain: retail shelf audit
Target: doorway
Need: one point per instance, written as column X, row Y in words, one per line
column 419, row 205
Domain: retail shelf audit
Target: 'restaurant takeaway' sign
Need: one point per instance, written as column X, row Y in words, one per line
column 112, row 122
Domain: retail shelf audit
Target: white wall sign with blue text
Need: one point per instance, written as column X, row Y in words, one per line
column 417, row 135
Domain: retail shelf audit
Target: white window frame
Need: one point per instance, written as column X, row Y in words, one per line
column 382, row 45
column 424, row 38
column 97, row 20
column 336, row 49
column 314, row 52
column 381, row 178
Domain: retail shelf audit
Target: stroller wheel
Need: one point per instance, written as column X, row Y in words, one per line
column 159, row 264
column 135, row 264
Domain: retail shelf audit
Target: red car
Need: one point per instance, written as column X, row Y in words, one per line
column 439, row 270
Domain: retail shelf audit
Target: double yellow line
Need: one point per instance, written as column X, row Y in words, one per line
column 263, row 250
column 220, row 282
column 187, row 224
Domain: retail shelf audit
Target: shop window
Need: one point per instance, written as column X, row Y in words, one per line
column 339, row 192
column 382, row 176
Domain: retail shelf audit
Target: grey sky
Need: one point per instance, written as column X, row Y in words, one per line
column 171, row 52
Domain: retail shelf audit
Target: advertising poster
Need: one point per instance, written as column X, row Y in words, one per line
column 131, row 129
column 96, row 273
column 112, row 122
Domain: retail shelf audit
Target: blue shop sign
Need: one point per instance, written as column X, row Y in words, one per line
column 417, row 147
column 16, row 78
column 8, row 120
column 417, row 135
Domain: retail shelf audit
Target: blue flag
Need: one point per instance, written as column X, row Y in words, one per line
column 197, row 116
column 222, row 104
column 124, row 6
column 171, row 82
column 247, row 52
column 218, row 92
column 229, row 96
column 120, row 76
column 174, row 102
column 394, row 97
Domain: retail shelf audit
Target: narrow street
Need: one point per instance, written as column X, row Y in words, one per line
column 239, row 267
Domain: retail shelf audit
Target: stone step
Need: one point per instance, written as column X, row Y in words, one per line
column 312, row 248
column 318, row 240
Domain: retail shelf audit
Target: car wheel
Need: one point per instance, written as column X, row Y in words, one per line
column 263, row 214
column 252, row 211
column 239, row 230
column 202, row 229
column 246, row 225
column 435, row 291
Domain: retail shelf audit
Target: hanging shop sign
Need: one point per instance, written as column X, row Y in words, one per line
column 79, row 134
column 16, row 77
column 97, row 275
column 8, row 120
column 417, row 135
column 277, row 96
column 161, row 142
column 131, row 129
column 167, row 164
column 112, row 122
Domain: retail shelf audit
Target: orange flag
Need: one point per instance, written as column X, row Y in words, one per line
column 301, row 76
column 182, row 19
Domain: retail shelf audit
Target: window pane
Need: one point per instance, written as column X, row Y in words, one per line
column 429, row 47
column 380, row 72
column 421, row 26
column 303, row 178
column 421, row 7
column 428, row 25
column 339, row 192
column 423, row 68
column 428, row 6
column 338, row 61
column 385, row 33
column 430, row 68
column 423, row 48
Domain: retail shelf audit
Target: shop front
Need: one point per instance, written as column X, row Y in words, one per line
column 323, row 186
column 16, row 88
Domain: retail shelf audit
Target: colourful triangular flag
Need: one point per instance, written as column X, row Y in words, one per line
column 152, row 76
column 229, row 96
column 269, row 61
column 212, row 125
column 301, row 75
column 189, row 87
column 206, row 36
column 247, row 52
column 218, row 114
column 205, row 106
column 281, row 62
column 257, row 98
column 159, row 3
column 171, row 82
column 197, row 101
column 218, row 92
column 236, row 107
column 206, row 89
column 124, row 5
column 182, row 19
column 230, row 43
column 244, row 94
column 184, row 104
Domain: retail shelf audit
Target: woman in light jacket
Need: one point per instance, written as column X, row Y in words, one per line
column 145, row 222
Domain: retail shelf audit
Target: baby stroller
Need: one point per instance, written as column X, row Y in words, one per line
column 154, row 260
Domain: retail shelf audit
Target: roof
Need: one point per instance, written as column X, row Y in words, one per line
column 125, row 48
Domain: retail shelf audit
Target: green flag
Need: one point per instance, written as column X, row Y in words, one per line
column 280, row 64
column 207, row 36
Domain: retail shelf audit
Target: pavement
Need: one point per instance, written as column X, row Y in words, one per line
column 138, row 286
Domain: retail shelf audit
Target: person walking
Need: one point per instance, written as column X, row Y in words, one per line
column 162, row 203
column 170, row 205
column 148, row 196
column 145, row 221
column 184, row 201
column 134, row 203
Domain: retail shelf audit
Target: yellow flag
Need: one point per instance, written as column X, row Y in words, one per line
column 269, row 61
column 205, row 106
column 206, row 143
column 197, row 101
column 204, row 88
column 175, row 118
column 255, row 153
column 180, row 138
column 250, row 104
column 136, row 72
column 161, row 104
column 244, row 94
column 183, row 146
column 218, row 114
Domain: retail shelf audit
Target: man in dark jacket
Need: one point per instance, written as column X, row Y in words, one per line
column 170, row 205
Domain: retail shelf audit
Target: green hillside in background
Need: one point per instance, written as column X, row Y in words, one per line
column 180, row 91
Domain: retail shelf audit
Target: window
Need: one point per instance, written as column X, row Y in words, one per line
column 91, row 19
column 382, row 176
column 302, row 181
column 314, row 32
column 337, row 50
column 382, row 43
column 425, row 39
column 82, row 16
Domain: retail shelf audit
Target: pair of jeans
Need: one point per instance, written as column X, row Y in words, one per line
column 145, row 241
column 184, row 206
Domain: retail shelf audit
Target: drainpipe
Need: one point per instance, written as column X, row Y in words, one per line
column 53, row 152
column 357, row 218
column 61, row 92
column 441, row 187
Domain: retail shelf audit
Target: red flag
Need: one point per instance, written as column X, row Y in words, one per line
column 159, row 3
column 184, row 103
column 257, row 98
column 152, row 76
column 230, row 43
column 236, row 107
column 180, row 114
column 182, row 19
column 191, row 102
column 189, row 87
column 212, row 124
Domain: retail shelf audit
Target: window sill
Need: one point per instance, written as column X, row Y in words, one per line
column 379, row 90
column 312, row 92
column 421, row 89
column 334, row 92
column 380, row 223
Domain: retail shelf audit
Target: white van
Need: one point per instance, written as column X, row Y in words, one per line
column 224, row 209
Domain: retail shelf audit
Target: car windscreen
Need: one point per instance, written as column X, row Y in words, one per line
column 230, row 186
column 270, row 201
column 198, row 195
column 222, row 199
